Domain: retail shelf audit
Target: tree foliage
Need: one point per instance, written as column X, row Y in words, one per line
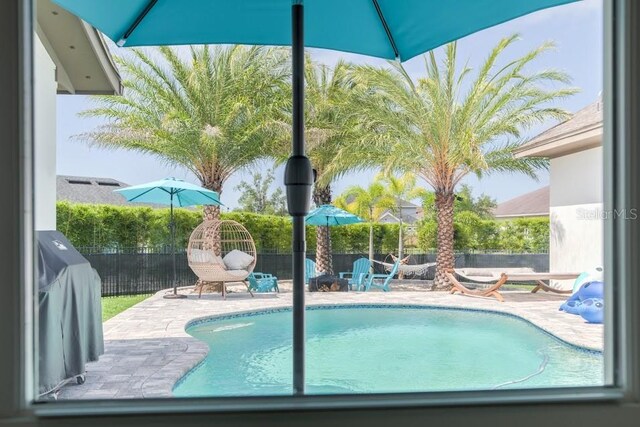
column 482, row 205
column 451, row 122
column 210, row 113
column 255, row 195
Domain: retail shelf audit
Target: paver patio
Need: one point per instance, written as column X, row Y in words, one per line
column 147, row 348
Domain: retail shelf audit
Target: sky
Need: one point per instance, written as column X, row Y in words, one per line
column 575, row 28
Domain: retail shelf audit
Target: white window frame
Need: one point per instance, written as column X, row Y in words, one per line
column 615, row 404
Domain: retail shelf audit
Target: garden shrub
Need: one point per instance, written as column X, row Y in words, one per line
column 474, row 233
column 108, row 227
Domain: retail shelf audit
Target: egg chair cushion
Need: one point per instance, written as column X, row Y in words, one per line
column 237, row 260
column 240, row 274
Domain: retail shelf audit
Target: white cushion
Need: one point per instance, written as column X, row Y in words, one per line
column 240, row 273
column 237, row 260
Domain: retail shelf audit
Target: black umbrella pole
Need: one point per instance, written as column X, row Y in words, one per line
column 172, row 232
column 298, row 178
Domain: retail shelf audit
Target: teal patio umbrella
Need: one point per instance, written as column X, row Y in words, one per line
column 392, row 29
column 172, row 192
column 331, row 216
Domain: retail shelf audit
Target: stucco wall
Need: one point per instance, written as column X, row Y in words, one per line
column 576, row 216
column 576, row 178
column 44, row 139
column 575, row 243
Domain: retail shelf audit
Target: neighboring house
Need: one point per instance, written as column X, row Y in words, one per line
column 574, row 148
column 409, row 212
column 70, row 57
column 82, row 189
column 95, row 191
column 534, row 204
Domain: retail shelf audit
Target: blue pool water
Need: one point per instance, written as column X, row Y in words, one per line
column 384, row 349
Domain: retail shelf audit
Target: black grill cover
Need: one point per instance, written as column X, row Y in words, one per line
column 70, row 311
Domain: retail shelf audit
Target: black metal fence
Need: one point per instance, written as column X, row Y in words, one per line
column 130, row 271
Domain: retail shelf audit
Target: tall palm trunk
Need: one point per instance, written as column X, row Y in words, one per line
column 324, row 263
column 211, row 213
column 445, row 258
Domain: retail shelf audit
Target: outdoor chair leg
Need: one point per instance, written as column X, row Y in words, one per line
column 248, row 287
column 200, row 286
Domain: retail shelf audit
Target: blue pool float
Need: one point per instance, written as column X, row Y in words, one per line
column 592, row 310
column 593, row 275
column 571, row 306
column 588, row 291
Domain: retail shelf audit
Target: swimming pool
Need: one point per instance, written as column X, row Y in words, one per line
column 377, row 349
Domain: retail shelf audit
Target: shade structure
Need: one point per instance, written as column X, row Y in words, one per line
column 382, row 28
column 172, row 192
column 331, row 216
column 392, row 29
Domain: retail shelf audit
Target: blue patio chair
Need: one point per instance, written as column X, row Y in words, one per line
column 309, row 270
column 370, row 279
column 262, row 282
column 361, row 268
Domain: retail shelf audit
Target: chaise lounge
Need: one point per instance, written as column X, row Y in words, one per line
column 500, row 276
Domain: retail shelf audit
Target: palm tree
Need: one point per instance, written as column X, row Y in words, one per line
column 209, row 113
column 368, row 203
column 331, row 130
column 446, row 125
column 400, row 189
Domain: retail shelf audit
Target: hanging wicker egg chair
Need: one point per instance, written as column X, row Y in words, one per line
column 221, row 251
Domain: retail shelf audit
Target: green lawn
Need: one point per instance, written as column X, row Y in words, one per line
column 114, row 305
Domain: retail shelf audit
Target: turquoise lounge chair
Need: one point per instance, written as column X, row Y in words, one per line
column 361, row 268
column 370, row 279
column 309, row 270
column 262, row 282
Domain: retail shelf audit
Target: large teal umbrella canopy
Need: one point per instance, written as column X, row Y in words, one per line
column 382, row 28
column 172, row 192
column 392, row 29
column 330, row 216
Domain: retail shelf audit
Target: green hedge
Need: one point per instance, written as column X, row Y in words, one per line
column 107, row 227
column 473, row 232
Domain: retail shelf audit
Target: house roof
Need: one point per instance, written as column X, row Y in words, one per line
column 83, row 62
column 581, row 132
column 389, row 217
column 535, row 203
column 97, row 191
column 84, row 189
